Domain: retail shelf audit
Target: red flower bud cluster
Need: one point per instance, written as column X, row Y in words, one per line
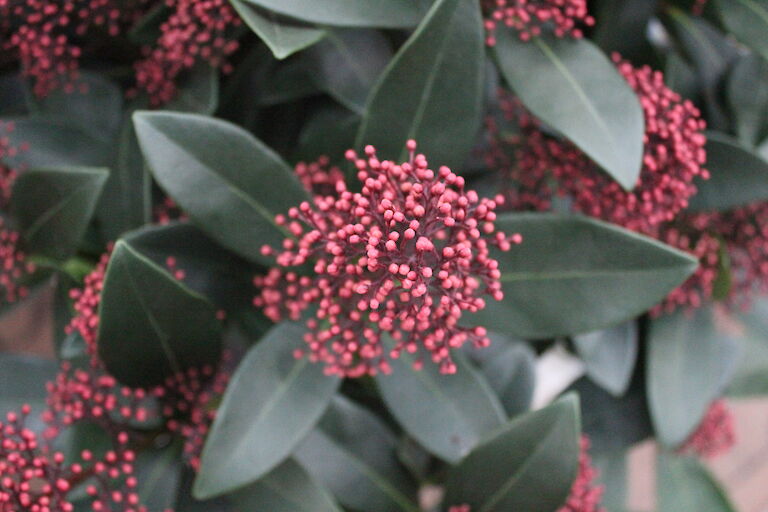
column 404, row 258
column 15, row 268
column 715, row 434
column 585, row 496
column 530, row 17
column 41, row 33
column 197, row 31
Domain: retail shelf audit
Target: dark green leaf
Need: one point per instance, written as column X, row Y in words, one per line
column 614, row 423
column 610, row 355
column 690, row 362
column 748, row 99
column 22, row 381
column 573, row 275
column 432, row 90
column 53, row 207
column 198, row 93
column 748, row 21
column 510, row 367
column 353, row 454
column 573, row 87
column 95, row 107
column 447, row 414
column 288, row 488
column 528, row 466
column 737, row 176
column 623, row 26
column 126, row 202
column 269, row 407
column 751, row 377
column 151, row 326
column 158, row 472
column 685, row 484
column 330, row 132
column 357, row 13
column 208, row 268
column 56, row 143
column 347, row 63
column 612, row 469
column 283, row 37
column 189, row 154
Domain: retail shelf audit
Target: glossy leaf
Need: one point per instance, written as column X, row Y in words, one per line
column 208, row 268
column 95, row 107
column 330, row 131
column 614, row 423
column 189, row 154
column 751, row 375
column 287, row 488
column 748, row 21
column 348, row 13
column 573, row 275
column 610, row 355
column 432, row 90
column 53, row 207
column 347, row 64
column 509, row 366
column 198, row 93
column 159, row 475
column 271, row 404
column 126, row 201
column 685, row 484
column 690, row 362
column 56, row 143
column 748, row 99
column 573, row 87
column 447, row 414
column 528, row 466
column 283, row 37
column 151, row 325
column 737, row 176
column 353, row 454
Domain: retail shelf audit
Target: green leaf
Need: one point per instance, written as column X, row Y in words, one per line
column 751, row 376
column 689, row 364
column 347, row 13
column 737, row 176
column 209, row 269
column 509, row 366
column 612, row 469
column 432, row 90
column 283, row 37
column 573, row 87
column 685, row 484
column 151, row 326
column 198, row 93
column 55, row 143
column 330, row 132
column 53, row 207
column 353, row 454
column 610, row 355
column 748, row 100
column 270, row 405
column 189, row 154
column 159, row 475
column 96, row 109
column 748, row 21
column 447, row 414
column 529, row 465
column 22, row 381
column 347, row 64
column 614, row 423
column 288, row 488
column 126, row 201
column 573, row 275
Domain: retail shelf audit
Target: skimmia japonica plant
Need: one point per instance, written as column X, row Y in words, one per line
column 319, row 255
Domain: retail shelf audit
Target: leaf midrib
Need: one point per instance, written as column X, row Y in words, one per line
column 239, row 193
column 43, row 218
column 583, row 274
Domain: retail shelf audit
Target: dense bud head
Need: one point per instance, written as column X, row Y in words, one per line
column 404, row 258
column 529, row 18
column 715, row 434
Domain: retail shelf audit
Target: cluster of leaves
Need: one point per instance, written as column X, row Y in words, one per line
column 311, row 79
